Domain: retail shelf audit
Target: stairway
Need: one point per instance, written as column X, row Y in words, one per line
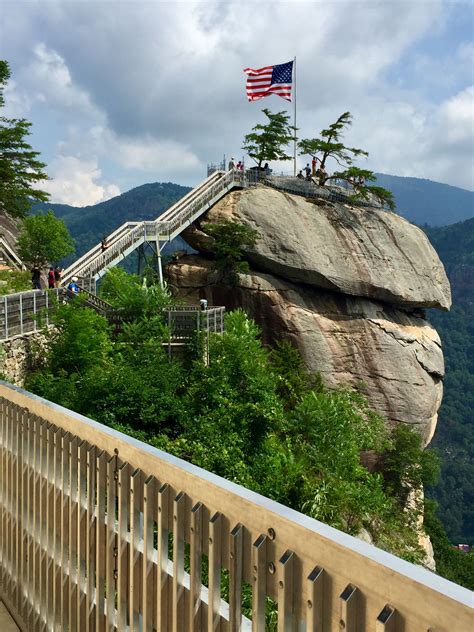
column 170, row 224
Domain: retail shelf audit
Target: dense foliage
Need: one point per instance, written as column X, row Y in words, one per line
column 12, row 281
column 456, row 565
column 229, row 238
column 454, row 437
column 20, row 169
column 252, row 415
column 43, row 239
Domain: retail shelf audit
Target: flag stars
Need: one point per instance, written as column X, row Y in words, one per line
column 282, row 73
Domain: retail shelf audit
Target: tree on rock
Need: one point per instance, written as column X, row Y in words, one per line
column 20, row 169
column 44, row 239
column 268, row 141
column 330, row 145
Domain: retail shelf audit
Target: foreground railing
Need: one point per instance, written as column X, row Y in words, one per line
column 99, row 531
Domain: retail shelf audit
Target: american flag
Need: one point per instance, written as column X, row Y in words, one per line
column 270, row 80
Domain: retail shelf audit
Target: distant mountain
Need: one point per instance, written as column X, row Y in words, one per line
column 454, row 436
column 424, row 202
column 89, row 224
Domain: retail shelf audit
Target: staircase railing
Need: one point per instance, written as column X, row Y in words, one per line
column 165, row 228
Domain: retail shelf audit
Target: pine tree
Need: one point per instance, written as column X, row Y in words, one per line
column 268, row 141
column 20, row 169
column 330, row 145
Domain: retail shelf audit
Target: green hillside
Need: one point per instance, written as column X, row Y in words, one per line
column 454, row 436
column 89, row 224
column 426, row 202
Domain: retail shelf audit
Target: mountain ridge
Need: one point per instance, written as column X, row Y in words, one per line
column 427, row 202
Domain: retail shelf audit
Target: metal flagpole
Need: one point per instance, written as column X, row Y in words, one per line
column 294, row 123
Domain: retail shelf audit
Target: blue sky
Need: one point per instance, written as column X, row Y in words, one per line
column 123, row 93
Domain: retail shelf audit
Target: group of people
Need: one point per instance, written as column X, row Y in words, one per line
column 313, row 171
column 54, row 277
column 239, row 166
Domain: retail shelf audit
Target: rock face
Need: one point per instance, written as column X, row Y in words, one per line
column 19, row 356
column 357, row 251
column 348, row 340
column 345, row 285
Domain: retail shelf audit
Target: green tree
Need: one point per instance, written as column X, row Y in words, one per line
column 268, row 141
column 136, row 299
column 229, row 239
column 330, row 145
column 20, row 169
column 44, row 239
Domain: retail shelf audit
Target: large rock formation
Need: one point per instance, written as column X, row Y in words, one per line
column 345, row 285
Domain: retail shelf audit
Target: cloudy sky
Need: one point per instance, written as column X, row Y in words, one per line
column 122, row 93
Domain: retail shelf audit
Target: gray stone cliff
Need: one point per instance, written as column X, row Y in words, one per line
column 346, row 285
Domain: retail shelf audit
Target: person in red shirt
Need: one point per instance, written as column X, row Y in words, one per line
column 51, row 278
column 314, row 165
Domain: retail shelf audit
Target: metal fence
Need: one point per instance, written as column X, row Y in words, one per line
column 99, row 531
column 183, row 322
column 28, row 312
column 25, row 312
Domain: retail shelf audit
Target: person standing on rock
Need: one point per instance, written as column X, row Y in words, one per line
column 314, row 165
column 307, row 171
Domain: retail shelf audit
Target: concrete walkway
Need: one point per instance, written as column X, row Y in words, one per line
column 6, row 622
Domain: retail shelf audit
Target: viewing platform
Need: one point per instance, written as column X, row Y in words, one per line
column 99, row 531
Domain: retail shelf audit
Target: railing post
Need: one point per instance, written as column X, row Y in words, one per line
column 5, row 307
column 34, row 313
column 21, row 313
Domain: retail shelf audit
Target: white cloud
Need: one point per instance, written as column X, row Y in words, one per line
column 156, row 89
column 74, row 181
column 49, row 81
column 457, row 118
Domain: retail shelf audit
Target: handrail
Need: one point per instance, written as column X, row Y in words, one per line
column 20, row 312
column 10, row 252
column 174, row 219
column 86, row 518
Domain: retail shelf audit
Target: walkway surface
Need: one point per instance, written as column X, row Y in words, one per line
column 6, row 622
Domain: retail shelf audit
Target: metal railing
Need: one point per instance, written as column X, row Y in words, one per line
column 131, row 234
column 25, row 312
column 184, row 322
column 10, row 253
column 99, row 531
